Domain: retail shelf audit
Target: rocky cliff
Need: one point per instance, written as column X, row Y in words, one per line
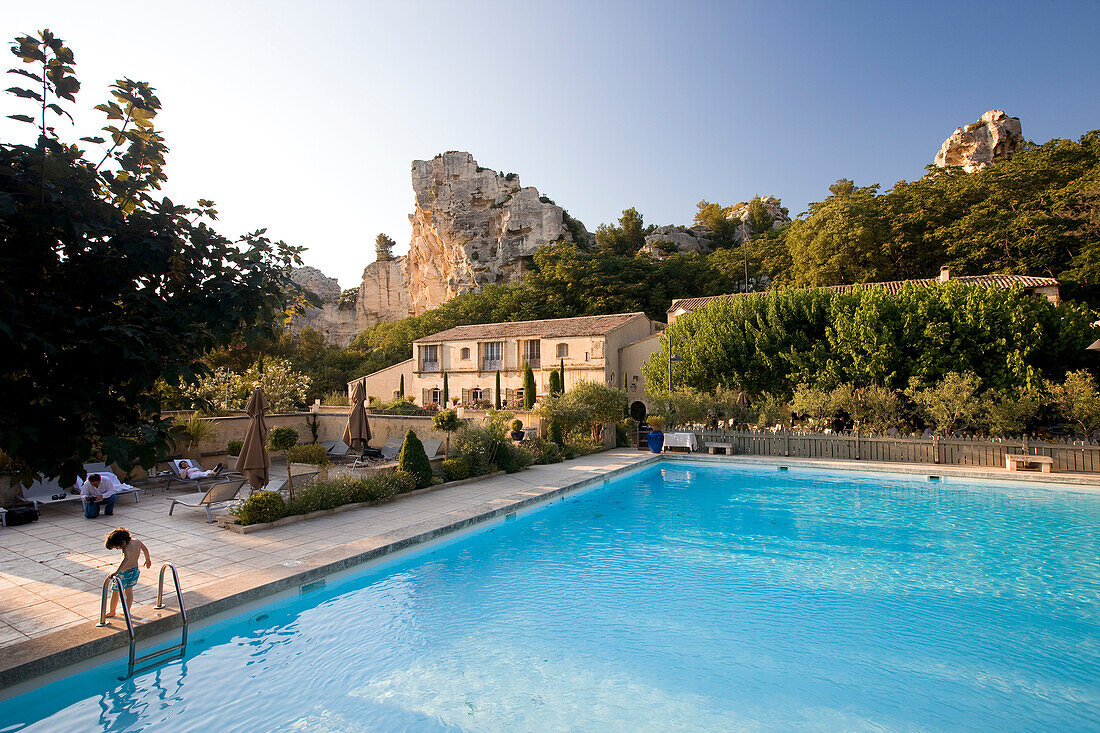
column 995, row 136
column 472, row 227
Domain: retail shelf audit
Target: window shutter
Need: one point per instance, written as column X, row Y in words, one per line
column 487, row 394
column 465, row 396
column 426, row 396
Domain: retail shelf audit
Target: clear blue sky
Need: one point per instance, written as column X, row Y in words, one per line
column 304, row 117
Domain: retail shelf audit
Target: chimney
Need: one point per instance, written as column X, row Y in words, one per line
column 945, row 274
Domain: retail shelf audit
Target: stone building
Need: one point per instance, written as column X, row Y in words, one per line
column 608, row 349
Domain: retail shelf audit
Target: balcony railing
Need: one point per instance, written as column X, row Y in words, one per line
column 429, row 366
column 535, row 362
column 489, row 365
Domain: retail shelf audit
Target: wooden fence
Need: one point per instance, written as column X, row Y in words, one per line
column 1068, row 455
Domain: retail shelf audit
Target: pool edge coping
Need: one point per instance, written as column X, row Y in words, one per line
column 25, row 661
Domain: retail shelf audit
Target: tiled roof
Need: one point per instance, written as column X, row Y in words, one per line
column 549, row 328
column 687, row 305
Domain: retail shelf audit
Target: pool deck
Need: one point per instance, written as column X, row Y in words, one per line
column 52, row 571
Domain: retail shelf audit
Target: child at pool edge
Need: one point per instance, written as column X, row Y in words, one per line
column 127, row 572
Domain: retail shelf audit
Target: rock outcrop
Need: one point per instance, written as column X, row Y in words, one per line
column 336, row 322
column 473, row 227
column 666, row 240
column 995, row 136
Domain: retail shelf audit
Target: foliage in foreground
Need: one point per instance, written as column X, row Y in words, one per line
column 104, row 287
column 311, row 453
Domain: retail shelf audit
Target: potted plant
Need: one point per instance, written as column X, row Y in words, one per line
column 656, row 438
column 191, row 431
column 517, row 430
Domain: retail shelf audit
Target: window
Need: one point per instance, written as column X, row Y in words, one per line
column 465, row 353
column 562, row 351
column 429, row 358
column 492, row 355
column 476, row 394
column 436, row 396
column 532, row 353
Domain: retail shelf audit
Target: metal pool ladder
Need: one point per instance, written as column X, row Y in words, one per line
column 152, row 659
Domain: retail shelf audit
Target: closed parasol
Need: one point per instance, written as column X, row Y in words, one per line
column 357, row 431
column 253, row 461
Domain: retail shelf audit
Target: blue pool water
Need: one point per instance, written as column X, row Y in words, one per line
column 679, row 597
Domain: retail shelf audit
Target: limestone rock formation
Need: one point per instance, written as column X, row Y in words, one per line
column 383, row 293
column 670, row 239
column 666, row 240
column 335, row 322
column 778, row 213
column 472, row 227
column 995, row 136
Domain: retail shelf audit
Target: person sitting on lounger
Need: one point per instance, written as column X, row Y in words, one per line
column 189, row 471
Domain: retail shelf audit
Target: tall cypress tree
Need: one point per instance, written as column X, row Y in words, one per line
column 528, row 387
column 401, row 388
column 446, row 391
column 562, row 378
column 555, row 383
column 496, row 394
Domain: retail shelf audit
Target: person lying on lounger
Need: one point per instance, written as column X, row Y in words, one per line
column 189, row 471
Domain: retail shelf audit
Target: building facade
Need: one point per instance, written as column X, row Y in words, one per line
column 608, row 349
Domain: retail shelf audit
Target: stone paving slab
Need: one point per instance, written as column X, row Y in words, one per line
column 52, row 571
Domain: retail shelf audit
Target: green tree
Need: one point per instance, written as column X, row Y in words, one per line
column 528, row 387
column 841, row 240
column 1078, row 400
column 625, row 238
column 1008, row 412
column 414, row 461
column 383, row 248
column 85, row 249
column 496, row 393
column 446, row 391
column 598, row 403
column 555, row 383
column 951, row 404
column 448, row 421
column 401, row 387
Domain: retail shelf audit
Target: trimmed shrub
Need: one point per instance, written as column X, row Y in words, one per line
column 456, row 469
column 282, row 438
column 388, row 484
column 514, row 458
column 234, row 447
column 312, row 453
column 516, row 425
column 263, row 506
column 413, row 460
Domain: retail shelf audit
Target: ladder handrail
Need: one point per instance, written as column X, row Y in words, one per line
column 179, row 596
column 181, row 647
column 125, row 612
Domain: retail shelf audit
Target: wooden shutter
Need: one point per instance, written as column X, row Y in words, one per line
column 425, row 396
column 487, row 394
column 465, row 396
column 509, row 396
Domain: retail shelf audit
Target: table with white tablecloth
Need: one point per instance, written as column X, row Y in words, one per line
column 682, row 440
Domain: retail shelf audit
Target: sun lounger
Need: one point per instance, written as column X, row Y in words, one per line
column 214, row 498
column 47, row 491
column 174, row 467
column 338, row 449
column 431, row 447
column 389, row 453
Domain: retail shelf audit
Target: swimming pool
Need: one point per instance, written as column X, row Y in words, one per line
column 680, row 596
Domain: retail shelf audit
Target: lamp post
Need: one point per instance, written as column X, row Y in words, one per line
column 671, row 358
